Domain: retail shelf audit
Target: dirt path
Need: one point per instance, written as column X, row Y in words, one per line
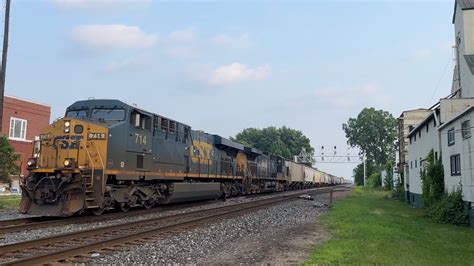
column 288, row 246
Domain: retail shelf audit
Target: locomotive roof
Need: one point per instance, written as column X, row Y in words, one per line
column 112, row 103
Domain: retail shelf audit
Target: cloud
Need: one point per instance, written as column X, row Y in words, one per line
column 237, row 72
column 133, row 63
column 113, row 36
column 233, row 42
column 347, row 98
column 185, row 35
column 99, row 4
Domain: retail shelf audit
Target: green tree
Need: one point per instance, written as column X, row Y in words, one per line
column 359, row 172
column 8, row 160
column 283, row 141
column 374, row 133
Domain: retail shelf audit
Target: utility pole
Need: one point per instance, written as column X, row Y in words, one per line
column 4, row 60
column 365, row 170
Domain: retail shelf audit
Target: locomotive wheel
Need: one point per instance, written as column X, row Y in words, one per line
column 148, row 205
column 98, row 211
column 124, row 207
column 227, row 191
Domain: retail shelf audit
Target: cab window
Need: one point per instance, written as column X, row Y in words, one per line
column 108, row 115
column 81, row 114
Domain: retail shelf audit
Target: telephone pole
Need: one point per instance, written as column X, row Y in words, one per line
column 4, row 60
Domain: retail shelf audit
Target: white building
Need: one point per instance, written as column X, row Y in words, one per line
column 421, row 140
column 447, row 130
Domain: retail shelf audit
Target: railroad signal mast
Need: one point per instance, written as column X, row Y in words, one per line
column 3, row 69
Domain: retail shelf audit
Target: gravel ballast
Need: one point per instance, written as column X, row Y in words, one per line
column 70, row 228
column 250, row 238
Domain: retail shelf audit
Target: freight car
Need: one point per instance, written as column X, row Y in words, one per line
column 106, row 154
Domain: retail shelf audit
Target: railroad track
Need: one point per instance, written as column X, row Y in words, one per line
column 9, row 226
column 110, row 238
column 15, row 225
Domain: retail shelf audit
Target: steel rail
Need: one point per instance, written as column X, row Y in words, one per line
column 14, row 225
column 125, row 232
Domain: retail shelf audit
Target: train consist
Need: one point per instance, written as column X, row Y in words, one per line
column 106, row 154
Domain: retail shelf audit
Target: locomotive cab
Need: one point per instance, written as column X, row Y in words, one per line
column 68, row 164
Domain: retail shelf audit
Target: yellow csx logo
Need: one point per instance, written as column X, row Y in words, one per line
column 201, row 150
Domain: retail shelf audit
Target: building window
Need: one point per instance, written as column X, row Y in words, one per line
column 18, row 128
column 414, row 136
column 427, row 127
column 411, row 164
column 436, row 155
column 416, row 163
column 419, row 133
column 451, row 137
column 455, row 162
column 466, row 129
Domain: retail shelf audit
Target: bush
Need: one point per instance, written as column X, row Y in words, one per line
column 399, row 192
column 374, row 181
column 449, row 209
column 432, row 177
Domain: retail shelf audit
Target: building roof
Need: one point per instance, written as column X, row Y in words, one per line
column 464, row 5
column 422, row 123
column 413, row 110
column 25, row 100
column 456, row 117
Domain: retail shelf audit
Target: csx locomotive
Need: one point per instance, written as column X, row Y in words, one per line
column 106, row 154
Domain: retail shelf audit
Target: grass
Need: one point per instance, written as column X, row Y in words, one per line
column 9, row 202
column 368, row 229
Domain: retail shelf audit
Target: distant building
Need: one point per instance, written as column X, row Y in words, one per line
column 22, row 121
column 407, row 121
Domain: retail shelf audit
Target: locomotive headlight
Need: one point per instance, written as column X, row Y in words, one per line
column 68, row 163
column 67, row 125
column 31, row 163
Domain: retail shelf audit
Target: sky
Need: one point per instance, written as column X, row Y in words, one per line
column 223, row 66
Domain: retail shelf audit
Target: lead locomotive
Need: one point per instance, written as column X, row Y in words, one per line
column 106, row 154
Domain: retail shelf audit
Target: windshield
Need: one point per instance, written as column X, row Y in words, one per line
column 107, row 115
column 81, row 114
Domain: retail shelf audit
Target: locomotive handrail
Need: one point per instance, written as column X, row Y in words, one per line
column 103, row 166
column 93, row 165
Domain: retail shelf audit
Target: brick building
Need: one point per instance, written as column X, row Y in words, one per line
column 22, row 121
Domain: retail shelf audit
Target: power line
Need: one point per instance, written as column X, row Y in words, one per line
column 440, row 79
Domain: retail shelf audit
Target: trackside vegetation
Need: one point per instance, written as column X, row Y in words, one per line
column 9, row 202
column 367, row 228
